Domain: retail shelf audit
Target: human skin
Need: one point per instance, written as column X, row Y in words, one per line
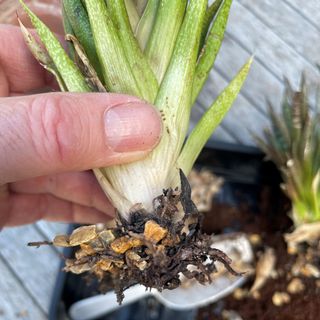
column 49, row 141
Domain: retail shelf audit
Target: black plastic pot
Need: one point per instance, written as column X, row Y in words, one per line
column 244, row 172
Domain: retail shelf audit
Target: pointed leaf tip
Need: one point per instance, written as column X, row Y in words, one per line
column 211, row 119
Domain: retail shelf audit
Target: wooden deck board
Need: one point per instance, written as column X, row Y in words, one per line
column 35, row 268
column 309, row 10
column 287, row 24
column 16, row 302
column 51, row 229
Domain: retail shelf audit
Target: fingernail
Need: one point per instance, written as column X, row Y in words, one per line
column 132, row 127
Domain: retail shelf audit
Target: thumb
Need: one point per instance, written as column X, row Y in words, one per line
column 56, row 132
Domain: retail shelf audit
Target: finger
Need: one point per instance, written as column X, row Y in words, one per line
column 78, row 187
column 25, row 208
column 4, row 86
column 59, row 132
column 23, row 73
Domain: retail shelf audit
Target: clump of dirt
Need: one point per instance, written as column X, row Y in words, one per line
column 151, row 249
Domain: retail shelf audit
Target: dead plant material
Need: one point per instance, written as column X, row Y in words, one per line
column 265, row 267
column 152, row 249
column 309, row 232
column 280, row 298
column 295, row 286
column 204, row 185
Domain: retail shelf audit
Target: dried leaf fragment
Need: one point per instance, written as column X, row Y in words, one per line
column 295, row 286
column 82, row 235
column 85, row 250
column 77, row 268
column 308, row 232
column 104, row 264
column 61, row 240
column 310, row 270
column 170, row 240
column 204, row 185
column 280, row 298
column 106, row 236
column 153, row 232
column 136, row 260
column 264, row 269
column 121, row 245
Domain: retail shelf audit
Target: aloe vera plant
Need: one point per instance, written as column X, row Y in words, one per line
column 161, row 51
column 293, row 143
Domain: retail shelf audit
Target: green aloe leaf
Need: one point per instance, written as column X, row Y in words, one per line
column 116, row 69
column 41, row 55
column 146, row 23
column 133, row 13
column 174, row 98
column 299, row 160
column 161, row 43
column 211, row 48
column 71, row 75
column 210, row 14
column 211, row 119
column 145, row 78
column 68, row 30
column 79, row 22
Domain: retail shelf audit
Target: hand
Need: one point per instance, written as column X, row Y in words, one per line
column 48, row 140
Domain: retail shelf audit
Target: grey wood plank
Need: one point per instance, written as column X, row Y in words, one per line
column 15, row 302
column 35, row 268
column 269, row 50
column 51, row 229
column 288, row 25
column 309, row 9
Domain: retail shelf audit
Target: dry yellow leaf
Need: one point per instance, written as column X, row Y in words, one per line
column 153, row 232
column 104, row 264
column 106, row 236
column 61, row 241
column 136, row 260
column 121, row 245
column 170, row 240
column 85, row 250
column 78, row 268
column 82, row 235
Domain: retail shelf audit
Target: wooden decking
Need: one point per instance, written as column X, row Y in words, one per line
column 284, row 36
column 28, row 275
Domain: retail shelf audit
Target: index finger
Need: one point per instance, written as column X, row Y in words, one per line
column 19, row 72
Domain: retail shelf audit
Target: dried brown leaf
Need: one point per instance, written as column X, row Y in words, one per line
column 121, row 245
column 153, row 232
column 82, row 235
column 61, row 240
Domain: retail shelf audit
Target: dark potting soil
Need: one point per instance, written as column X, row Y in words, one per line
column 270, row 223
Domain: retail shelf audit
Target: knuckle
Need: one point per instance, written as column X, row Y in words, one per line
column 52, row 129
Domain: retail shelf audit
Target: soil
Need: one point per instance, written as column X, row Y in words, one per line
column 270, row 221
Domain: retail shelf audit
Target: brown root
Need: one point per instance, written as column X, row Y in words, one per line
column 152, row 249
